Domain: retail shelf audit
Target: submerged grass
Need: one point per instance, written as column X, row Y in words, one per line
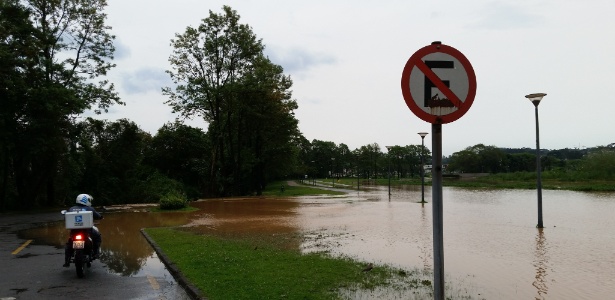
column 518, row 180
column 256, row 268
column 282, row 189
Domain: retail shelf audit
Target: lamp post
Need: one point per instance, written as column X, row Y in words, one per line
column 535, row 98
column 358, row 175
column 314, row 174
column 422, row 134
column 389, row 166
column 332, row 177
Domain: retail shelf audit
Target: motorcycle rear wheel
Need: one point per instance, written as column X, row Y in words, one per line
column 79, row 262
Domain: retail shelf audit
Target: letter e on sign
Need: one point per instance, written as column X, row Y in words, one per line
column 438, row 84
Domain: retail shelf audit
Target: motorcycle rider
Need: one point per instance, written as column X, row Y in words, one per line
column 84, row 203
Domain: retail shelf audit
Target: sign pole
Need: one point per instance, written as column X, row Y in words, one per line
column 438, row 232
column 439, row 85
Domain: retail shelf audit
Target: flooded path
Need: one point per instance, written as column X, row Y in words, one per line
column 492, row 249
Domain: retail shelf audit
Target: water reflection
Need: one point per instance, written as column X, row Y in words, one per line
column 541, row 263
column 425, row 241
column 124, row 250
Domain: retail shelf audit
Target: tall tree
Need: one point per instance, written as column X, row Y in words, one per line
column 16, row 44
column 221, row 75
column 59, row 49
column 265, row 127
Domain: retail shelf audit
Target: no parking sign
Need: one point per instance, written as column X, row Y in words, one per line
column 438, row 84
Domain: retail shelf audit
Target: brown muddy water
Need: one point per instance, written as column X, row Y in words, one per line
column 492, row 249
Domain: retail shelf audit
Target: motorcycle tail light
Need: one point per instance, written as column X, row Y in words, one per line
column 78, row 237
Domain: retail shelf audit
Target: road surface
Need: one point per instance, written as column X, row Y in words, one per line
column 33, row 271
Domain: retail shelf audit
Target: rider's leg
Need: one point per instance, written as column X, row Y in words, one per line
column 68, row 252
column 97, row 240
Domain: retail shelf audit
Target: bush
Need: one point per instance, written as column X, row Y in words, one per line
column 173, row 200
column 157, row 186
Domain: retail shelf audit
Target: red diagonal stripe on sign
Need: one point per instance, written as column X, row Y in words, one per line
column 438, row 83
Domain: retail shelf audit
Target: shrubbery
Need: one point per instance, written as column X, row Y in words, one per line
column 173, row 200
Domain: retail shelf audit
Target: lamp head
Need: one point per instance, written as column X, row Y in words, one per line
column 535, row 98
column 423, row 134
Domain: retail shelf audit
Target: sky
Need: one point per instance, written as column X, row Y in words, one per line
column 346, row 60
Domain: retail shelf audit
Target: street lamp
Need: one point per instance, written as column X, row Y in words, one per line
column 422, row 134
column 315, row 172
column 332, row 177
column 358, row 175
column 535, row 98
column 389, row 163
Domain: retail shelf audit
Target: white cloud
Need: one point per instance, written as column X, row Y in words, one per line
column 145, row 80
column 297, row 60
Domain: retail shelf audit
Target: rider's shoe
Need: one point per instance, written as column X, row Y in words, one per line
column 66, row 265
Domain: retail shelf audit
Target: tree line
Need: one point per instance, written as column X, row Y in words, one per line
column 589, row 163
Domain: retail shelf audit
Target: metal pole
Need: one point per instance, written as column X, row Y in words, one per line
column 332, row 169
column 389, row 160
column 422, row 171
column 438, row 232
column 358, row 178
column 538, row 175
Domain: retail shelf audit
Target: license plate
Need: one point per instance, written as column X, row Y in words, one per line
column 78, row 244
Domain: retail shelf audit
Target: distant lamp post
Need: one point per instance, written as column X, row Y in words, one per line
column 535, row 98
column 358, row 175
column 315, row 173
column 332, row 169
column 389, row 163
column 422, row 134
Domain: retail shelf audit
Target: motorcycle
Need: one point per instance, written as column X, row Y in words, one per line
column 80, row 246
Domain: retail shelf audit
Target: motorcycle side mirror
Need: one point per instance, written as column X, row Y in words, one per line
column 63, row 211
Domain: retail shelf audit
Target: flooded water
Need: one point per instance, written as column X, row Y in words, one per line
column 492, row 249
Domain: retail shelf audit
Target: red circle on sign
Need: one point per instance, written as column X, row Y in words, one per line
column 464, row 104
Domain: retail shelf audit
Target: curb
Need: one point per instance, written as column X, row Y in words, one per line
column 191, row 290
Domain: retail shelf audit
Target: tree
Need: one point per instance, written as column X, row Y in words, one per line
column 521, row 162
column 368, row 160
column 221, row 75
column 479, row 159
column 16, row 42
column 181, row 153
column 322, row 154
column 110, row 156
column 599, row 165
column 54, row 53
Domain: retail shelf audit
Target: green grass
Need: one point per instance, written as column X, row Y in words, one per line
column 527, row 180
column 259, row 268
column 275, row 190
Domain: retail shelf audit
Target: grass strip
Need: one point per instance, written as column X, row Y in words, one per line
column 253, row 269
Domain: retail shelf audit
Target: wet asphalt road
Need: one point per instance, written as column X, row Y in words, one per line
column 35, row 271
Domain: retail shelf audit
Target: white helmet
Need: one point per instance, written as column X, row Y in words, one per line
column 84, row 199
